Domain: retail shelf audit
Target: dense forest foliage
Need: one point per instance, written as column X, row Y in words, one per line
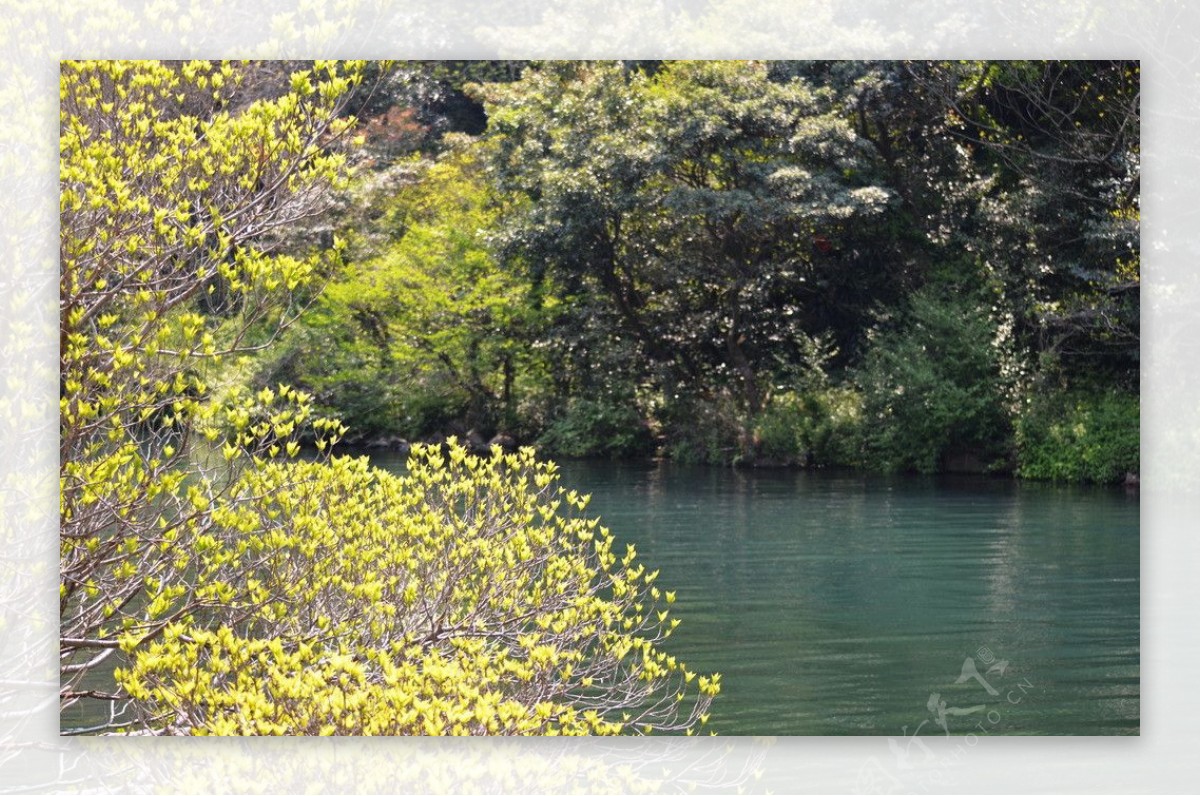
column 922, row 266
column 927, row 266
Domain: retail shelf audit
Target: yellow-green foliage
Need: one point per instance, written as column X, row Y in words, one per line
column 470, row 596
column 171, row 185
column 245, row 591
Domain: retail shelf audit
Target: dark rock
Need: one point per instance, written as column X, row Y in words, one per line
column 393, row 442
column 505, row 441
column 476, row 444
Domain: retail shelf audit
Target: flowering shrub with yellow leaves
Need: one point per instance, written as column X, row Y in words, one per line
column 174, row 188
column 469, row 596
column 211, row 582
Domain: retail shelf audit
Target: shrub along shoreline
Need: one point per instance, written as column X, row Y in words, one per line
column 1077, row 437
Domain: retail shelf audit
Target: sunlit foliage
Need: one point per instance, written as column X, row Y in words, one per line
column 242, row 591
column 424, row 324
column 171, row 190
column 468, row 596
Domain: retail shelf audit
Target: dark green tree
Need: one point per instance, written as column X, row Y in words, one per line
column 935, row 387
column 690, row 209
column 1060, row 143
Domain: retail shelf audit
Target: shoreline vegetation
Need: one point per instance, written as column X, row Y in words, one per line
column 1074, row 458
column 885, row 265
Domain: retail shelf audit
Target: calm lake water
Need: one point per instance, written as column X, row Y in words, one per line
column 841, row 603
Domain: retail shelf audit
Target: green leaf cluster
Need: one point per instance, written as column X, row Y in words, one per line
column 933, row 386
column 1080, row 436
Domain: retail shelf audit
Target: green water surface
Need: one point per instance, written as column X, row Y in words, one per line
column 841, row 603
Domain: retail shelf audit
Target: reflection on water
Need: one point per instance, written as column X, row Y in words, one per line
column 837, row 603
